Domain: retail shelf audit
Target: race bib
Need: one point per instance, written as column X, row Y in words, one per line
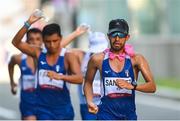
column 111, row 87
column 28, row 82
column 45, row 80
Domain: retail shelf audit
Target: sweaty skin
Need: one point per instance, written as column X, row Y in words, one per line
column 52, row 44
column 35, row 39
column 139, row 64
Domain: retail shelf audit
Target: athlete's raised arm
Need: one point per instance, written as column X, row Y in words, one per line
column 23, row 46
column 79, row 31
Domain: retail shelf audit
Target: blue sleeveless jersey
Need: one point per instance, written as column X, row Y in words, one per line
column 27, row 95
column 53, row 95
column 27, row 82
column 117, row 103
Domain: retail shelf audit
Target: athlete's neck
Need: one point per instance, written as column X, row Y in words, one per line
column 57, row 53
column 52, row 58
column 117, row 52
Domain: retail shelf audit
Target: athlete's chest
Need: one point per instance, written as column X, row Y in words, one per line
column 57, row 65
column 116, row 65
column 51, row 61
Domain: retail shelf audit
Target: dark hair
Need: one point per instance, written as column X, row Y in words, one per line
column 33, row 30
column 51, row 29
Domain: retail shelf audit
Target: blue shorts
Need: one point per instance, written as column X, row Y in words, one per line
column 117, row 109
column 27, row 104
column 60, row 113
column 85, row 115
column 27, row 109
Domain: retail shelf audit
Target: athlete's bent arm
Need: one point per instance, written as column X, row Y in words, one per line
column 73, row 67
column 14, row 60
column 23, row 46
column 149, row 86
column 88, row 90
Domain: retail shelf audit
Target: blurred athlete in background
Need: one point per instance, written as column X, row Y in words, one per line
column 30, row 50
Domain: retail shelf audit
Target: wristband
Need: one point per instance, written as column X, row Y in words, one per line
column 26, row 25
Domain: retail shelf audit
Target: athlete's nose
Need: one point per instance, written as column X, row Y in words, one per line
column 117, row 38
column 51, row 44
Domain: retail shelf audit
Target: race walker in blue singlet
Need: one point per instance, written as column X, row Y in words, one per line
column 119, row 67
column 27, row 94
column 53, row 95
column 27, row 66
column 120, row 103
column 55, row 70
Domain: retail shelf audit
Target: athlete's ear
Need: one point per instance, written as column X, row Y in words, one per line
column 60, row 37
column 127, row 37
column 108, row 36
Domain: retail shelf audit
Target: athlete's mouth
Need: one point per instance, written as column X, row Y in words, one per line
column 117, row 44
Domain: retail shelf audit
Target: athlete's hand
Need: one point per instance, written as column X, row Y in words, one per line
column 32, row 19
column 124, row 84
column 92, row 108
column 13, row 88
column 81, row 30
column 53, row 75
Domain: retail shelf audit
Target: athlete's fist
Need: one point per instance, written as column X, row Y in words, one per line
column 124, row 84
column 53, row 75
column 33, row 18
column 92, row 108
column 81, row 30
column 13, row 88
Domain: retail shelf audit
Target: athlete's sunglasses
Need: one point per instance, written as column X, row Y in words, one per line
column 115, row 34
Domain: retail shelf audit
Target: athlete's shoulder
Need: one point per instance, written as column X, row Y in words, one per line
column 73, row 50
column 70, row 55
column 76, row 51
column 16, row 58
column 97, row 57
column 138, row 58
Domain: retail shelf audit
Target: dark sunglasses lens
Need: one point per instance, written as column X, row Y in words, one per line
column 120, row 35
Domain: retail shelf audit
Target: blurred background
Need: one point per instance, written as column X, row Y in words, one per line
column 154, row 30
